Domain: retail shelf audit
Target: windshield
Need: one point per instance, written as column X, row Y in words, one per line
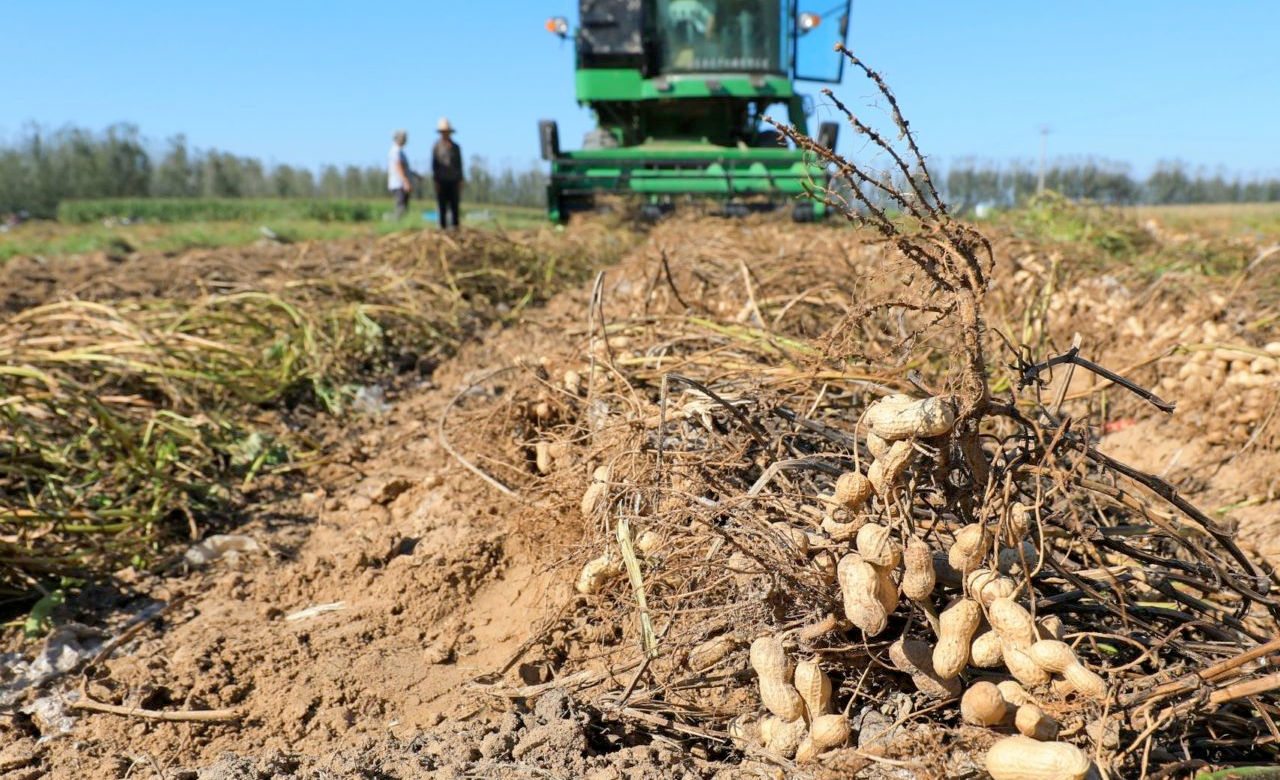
column 722, row 35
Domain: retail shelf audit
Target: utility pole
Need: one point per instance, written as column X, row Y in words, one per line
column 1044, row 149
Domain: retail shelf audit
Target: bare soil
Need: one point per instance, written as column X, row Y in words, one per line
column 438, row 584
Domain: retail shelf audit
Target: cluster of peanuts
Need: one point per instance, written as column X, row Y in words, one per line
column 984, row 627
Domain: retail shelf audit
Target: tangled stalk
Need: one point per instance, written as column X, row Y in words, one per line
column 876, row 511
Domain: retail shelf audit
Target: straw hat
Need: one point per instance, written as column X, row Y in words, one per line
column 444, row 126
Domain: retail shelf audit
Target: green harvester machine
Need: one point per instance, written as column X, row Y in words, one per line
column 678, row 89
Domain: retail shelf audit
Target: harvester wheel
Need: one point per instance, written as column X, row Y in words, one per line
column 804, row 212
column 652, row 212
column 549, row 138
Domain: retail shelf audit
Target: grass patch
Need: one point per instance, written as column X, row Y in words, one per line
column 54, row 239
column 78, row 212
column 1095, row 238
column 1261, row 220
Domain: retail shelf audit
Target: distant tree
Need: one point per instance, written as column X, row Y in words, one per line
column 1169, row 183
column 174, row 177
column 285, row 181
column 479, row 187
column 330, row 183
column 126, row 169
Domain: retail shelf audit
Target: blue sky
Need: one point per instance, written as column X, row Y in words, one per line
column 317, row 82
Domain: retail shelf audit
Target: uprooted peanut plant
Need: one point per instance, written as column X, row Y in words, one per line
column 821, row 540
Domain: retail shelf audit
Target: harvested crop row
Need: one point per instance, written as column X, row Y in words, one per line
column 128, row 421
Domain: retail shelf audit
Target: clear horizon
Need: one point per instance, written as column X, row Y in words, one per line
column 1133, row 83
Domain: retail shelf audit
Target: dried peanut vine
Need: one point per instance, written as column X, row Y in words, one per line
column 817, row 547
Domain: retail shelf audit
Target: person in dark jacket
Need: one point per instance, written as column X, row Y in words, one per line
column 446, row 169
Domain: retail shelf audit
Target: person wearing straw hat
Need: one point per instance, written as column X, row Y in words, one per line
column 399, row 175
column 446, row 170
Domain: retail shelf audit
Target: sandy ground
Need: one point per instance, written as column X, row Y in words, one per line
column 431, row 586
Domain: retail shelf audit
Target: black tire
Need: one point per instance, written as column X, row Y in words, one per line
column 803, row 212
column 549, row 138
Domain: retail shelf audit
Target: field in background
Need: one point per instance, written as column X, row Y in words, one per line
column 1225, row 217
column 174, row 225
column 170, row 225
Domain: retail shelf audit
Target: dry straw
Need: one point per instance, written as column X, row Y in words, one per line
column 129, row 420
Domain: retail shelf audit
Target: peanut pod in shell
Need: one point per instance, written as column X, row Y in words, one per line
column 877, row 446
column 782, row 737
column 1012, row 622
column 1053, row 655
column 851, row 491
column 1050, row 627
column 916, row 659
column 986, row 586
column 984, row 652
column 1020, row 559
column 1023, row 758
column 825, row 732
column 983, row 705
column 919, row 578
column 779, row 696
column 957, row 625
column 863, row 591
column 709, row 653
column 596, row 572
column 902, row 417
column 1031, row 721
column 814, row 687
column 1023, row 668
column 596, row 491
column 969, row 548
column 1014, row 693
column 885, row 472
column 842, row 531
column 877, row 546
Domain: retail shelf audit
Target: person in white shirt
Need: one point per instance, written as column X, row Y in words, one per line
column 399, row 175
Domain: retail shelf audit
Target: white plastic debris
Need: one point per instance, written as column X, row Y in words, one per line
column 218, row 546
column 318, row 609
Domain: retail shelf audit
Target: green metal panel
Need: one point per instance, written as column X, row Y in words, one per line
column 625, row 84
column 674, row 168
column 674, row 150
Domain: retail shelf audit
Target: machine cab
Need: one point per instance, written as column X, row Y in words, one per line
column 778, row 37
column 679, row 90
column 787, row 38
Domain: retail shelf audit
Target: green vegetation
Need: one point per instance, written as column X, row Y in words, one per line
column 1054, row 218
column 1222, row 218
column 110, row 235
column 1095, row 237
column 125, row 423
column 218, row 209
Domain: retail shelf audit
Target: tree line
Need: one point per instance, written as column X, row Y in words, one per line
column 41, row 168
column 970, row 183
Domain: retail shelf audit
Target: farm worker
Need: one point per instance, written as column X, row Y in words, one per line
column 446, row 169
column 693, row 13
column 399, row 175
